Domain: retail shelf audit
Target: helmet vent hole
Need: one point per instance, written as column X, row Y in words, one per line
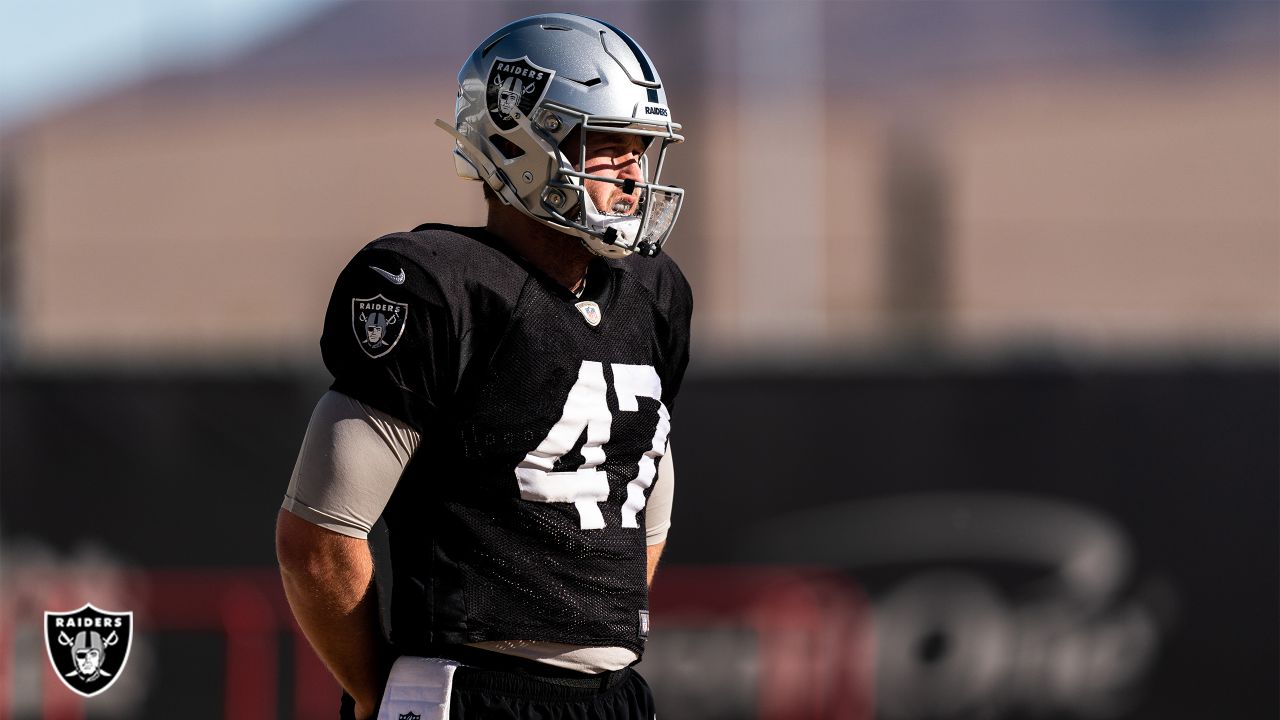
column 555, row 27
column 509, row 150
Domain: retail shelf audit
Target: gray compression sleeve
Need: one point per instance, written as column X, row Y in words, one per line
column 657, row 514
column 350, row 461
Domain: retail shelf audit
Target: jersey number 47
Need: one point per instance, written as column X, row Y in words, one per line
column 587, row 408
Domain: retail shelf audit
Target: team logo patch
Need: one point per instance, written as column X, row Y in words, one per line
column 644, row 624
column 590, row 312
column 411, row 715
column 378, row 323
column 88, row 647
column 513, row 88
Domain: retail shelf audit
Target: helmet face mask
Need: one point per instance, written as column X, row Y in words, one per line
column 548, row 79
column 643, row 230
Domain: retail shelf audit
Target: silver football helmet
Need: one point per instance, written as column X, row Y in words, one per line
column 527, row 89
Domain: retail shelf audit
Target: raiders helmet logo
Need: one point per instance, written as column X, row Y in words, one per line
column 514, row 87
column 88, row 647
column 378, row 324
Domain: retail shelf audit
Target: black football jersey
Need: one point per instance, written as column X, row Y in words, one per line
column 543, row 417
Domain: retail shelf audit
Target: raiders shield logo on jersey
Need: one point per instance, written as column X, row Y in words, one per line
column 378, row 323
column 88, row 647
column 513, row 88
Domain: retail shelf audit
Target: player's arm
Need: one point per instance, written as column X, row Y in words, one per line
column 677, row 306
column 350, row 462
column 327, row 579
column 658, row 512
column 655, row 552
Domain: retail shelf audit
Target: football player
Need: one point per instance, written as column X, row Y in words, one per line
column 501, row 398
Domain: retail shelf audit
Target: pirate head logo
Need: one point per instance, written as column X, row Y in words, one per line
column 513, row 89
column 378, row 323
column 88, row 647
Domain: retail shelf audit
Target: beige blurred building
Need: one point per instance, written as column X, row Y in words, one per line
column 840, row 199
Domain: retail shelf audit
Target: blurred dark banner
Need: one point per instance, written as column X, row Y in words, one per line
column 952, row 541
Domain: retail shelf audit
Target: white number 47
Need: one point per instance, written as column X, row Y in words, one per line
column 587, row 408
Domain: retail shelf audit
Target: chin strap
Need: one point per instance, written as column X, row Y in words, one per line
column 614, row 227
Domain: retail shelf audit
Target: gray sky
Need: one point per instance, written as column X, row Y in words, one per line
column 53, row 52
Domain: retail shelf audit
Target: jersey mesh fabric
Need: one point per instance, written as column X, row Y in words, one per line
column 473, row 561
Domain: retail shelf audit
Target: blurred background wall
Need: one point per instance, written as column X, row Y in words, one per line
column 986, row 341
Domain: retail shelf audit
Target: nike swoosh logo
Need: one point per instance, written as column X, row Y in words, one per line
column 397, row 279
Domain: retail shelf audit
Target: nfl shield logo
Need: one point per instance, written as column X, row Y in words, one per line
column 88, row 647
column 590, row 312
column 378, row 324
column 513, row 89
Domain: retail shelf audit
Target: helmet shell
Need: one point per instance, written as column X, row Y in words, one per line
column 599, row 70
column 530, row 84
